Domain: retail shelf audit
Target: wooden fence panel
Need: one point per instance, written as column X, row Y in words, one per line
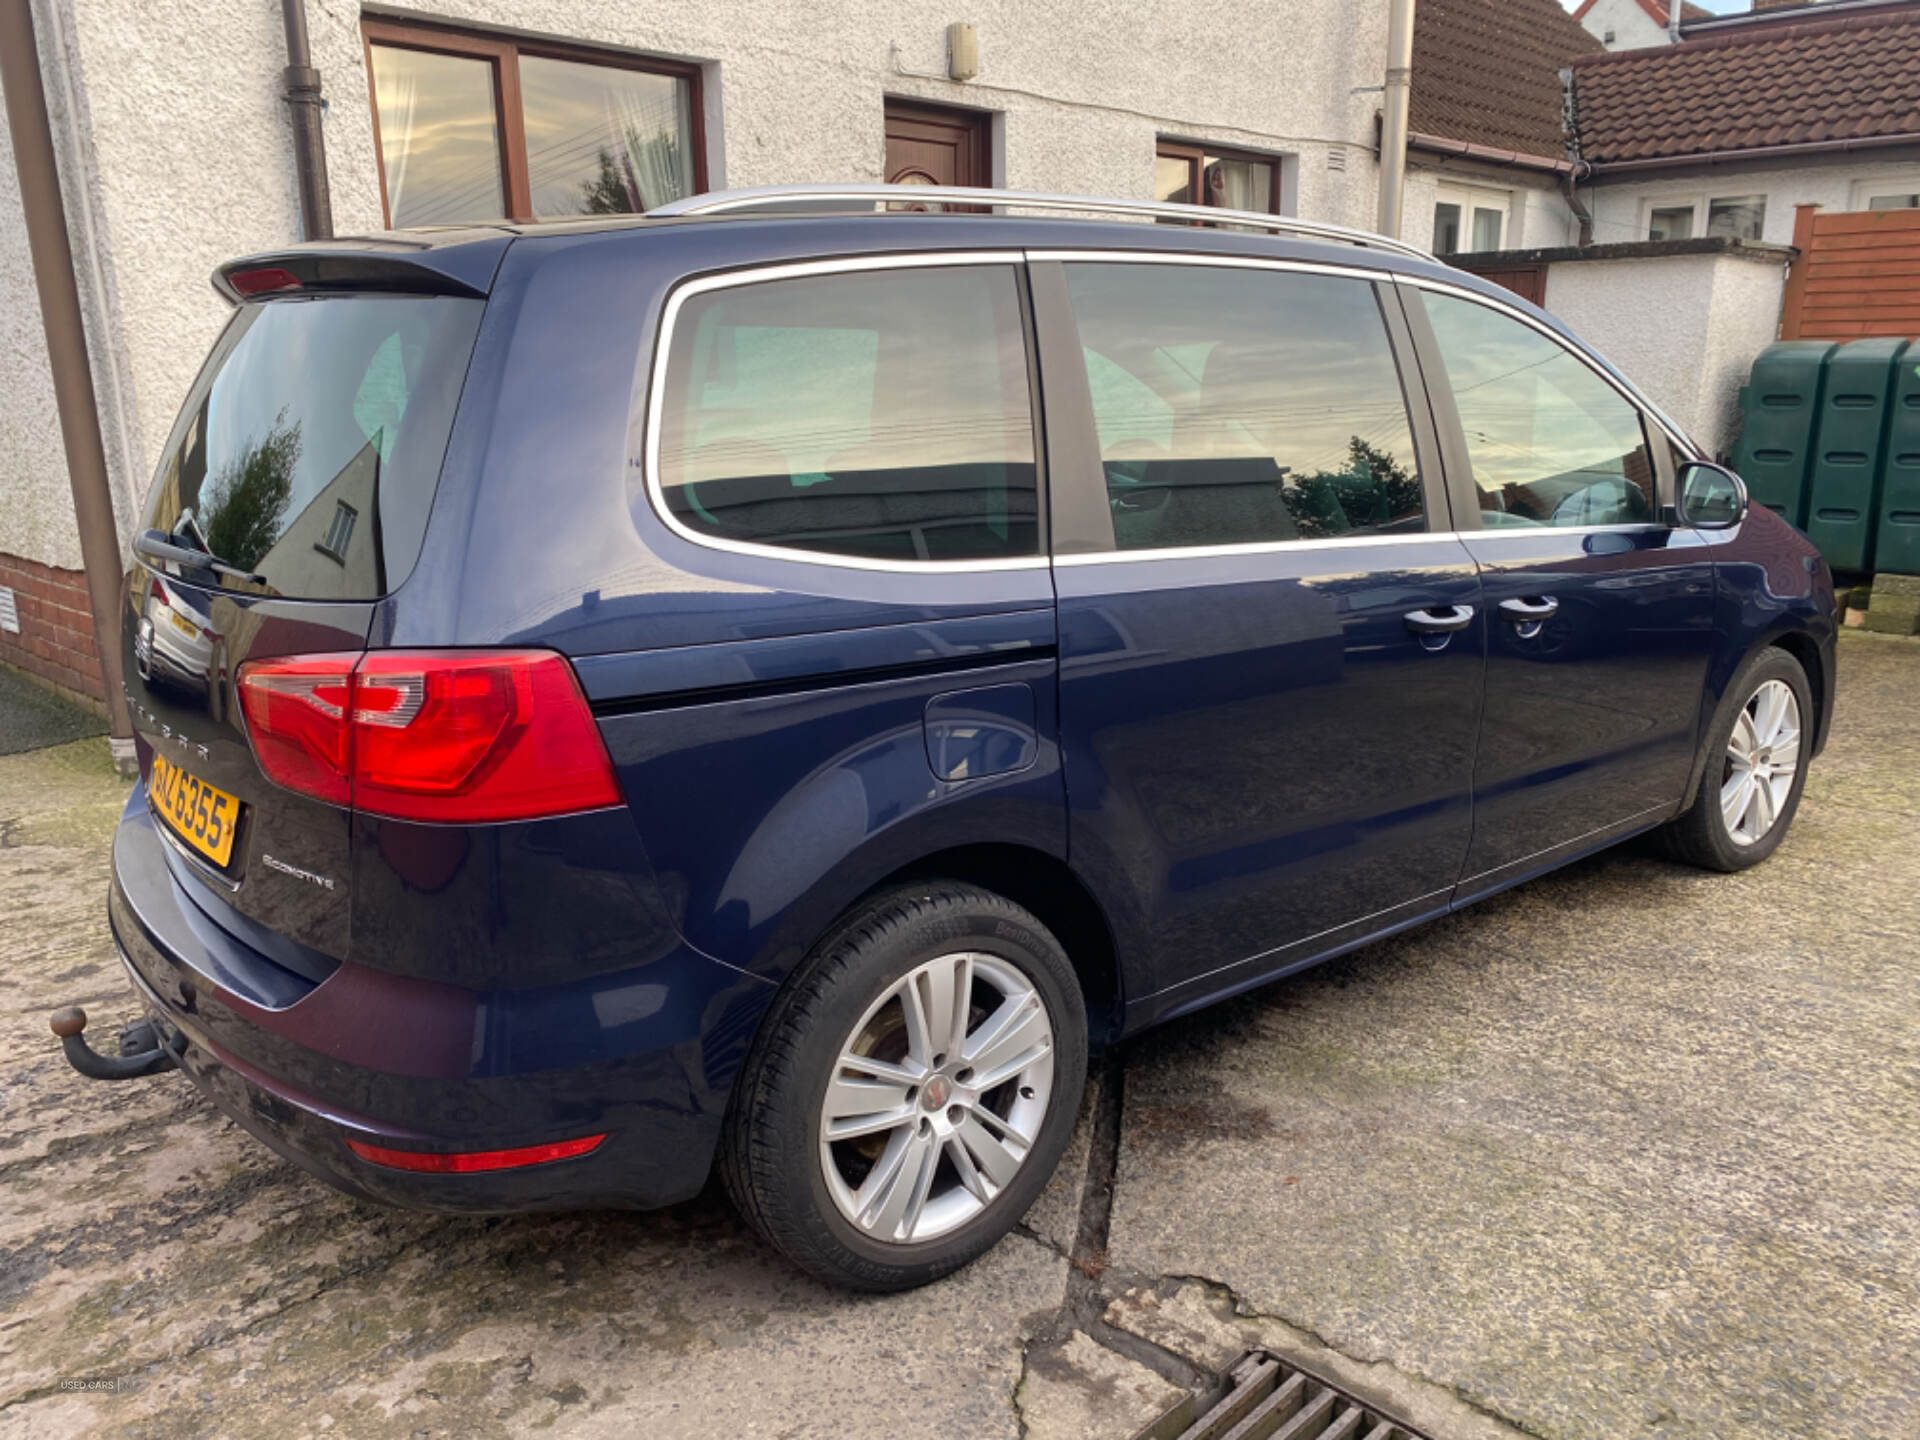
column 1857, row 275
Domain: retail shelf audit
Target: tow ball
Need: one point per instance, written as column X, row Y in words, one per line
column 141, row 1052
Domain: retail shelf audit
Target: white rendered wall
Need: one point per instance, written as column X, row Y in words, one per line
column 1684, row 328
column 36, row 506
column 1632, row 27
column 1537, row 213
column 1619, row 205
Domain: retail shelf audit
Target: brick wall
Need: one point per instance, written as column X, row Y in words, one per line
column 55, row 641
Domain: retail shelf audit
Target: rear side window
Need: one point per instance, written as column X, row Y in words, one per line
column 1552, row 444
column 1236, row 405
column 877, row 414
column 310, row 447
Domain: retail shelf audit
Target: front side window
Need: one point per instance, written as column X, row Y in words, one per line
column 881, row 414
column 310, row 448
column 1909, row 200
column 1552, row 444
column 1238, row 405
column 473, row 127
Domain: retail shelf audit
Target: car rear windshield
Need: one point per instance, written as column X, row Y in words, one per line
column 310, row 446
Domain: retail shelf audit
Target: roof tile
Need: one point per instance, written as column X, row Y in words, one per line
column 1488, row 72
column 1851, row 77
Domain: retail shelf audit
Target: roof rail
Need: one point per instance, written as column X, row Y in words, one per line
column 825, row 198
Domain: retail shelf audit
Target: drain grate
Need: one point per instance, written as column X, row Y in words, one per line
column 1269, row 1399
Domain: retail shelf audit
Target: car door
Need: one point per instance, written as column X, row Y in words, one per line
column 1270, row 643
column 1599, row 611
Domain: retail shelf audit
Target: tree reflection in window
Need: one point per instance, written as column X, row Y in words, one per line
column 246, row 507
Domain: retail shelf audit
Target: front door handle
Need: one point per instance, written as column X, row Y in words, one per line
column 1439, row 619
column 1529, row 611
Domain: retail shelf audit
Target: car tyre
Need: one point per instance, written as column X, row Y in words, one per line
column 802, row 1189
column 1716, row 833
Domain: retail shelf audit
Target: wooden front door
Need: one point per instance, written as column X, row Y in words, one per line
column 927, row 145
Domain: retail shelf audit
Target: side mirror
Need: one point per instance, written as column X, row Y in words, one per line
column 1711, row 496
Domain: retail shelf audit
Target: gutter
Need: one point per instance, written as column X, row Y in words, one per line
column 304, row 105
column 1440, row 144
column 59, row 294
column 1757, row 152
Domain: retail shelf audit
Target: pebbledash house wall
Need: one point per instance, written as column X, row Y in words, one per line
column 176, row 155
column 1619, row 199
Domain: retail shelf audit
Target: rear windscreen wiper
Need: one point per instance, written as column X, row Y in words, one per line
column 158, row 545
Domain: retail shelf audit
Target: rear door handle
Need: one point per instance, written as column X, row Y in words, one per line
column 1522, row 611
column 1439, row 619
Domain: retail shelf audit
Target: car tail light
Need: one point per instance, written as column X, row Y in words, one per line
column 465, row 1162
column 462, row 736
column 297, row 714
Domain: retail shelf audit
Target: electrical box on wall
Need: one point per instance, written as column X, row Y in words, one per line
column 963, row 50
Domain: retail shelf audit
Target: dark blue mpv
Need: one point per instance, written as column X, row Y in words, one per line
column 769, row 690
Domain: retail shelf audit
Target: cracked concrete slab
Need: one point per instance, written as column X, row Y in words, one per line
column 1628, row 1151
column 1075, row 1387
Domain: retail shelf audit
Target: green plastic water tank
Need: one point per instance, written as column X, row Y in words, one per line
column 1897, row 546
column 1780, row 406
column 1843, row 498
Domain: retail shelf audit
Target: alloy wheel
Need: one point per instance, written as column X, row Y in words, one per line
column 1763, row 755
column 937, row 1097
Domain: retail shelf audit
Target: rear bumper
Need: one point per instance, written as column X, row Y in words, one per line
column 646, row 1056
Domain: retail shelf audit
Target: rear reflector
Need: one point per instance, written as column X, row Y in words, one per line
column 466, row 1162
column 448, row 736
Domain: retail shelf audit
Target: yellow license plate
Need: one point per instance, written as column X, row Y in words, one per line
column 201, row 815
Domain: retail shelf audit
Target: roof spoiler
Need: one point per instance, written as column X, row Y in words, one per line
column 454, row 265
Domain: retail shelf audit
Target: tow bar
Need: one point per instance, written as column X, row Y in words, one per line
column 141, row 1052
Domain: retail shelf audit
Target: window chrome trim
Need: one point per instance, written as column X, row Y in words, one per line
column 729, row 279
column 1256, row 547
column 1511, row 532
column 1345, row 542
column 1572, row 346
column 1232, row 262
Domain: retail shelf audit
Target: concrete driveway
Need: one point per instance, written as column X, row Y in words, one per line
column 1632, row 1151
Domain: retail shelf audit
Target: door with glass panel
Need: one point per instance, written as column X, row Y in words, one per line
column 1270, row 645
column 1600, row 614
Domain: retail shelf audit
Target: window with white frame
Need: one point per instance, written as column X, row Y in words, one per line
column 1742, row 217
column 1468, row 217
column 1887, row 192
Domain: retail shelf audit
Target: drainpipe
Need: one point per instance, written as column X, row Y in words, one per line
column 1570, row 123
column 309, row 145
column 1580, row 211
column 1673, row 22
column 46, row 222
column 1393, row 129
